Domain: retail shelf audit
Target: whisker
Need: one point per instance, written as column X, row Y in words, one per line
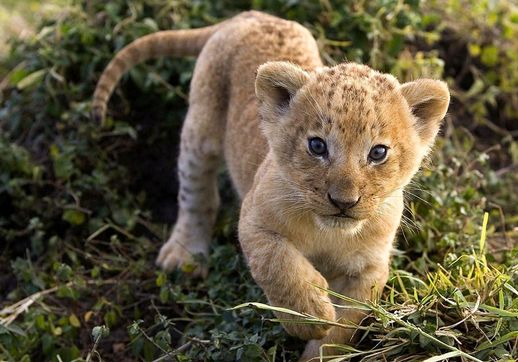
column 418, row 197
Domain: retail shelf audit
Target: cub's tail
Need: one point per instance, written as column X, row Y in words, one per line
column 163, row 43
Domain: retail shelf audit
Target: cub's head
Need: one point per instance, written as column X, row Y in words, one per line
column 347, row 138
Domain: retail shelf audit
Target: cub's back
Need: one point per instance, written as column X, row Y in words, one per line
column 240, row 47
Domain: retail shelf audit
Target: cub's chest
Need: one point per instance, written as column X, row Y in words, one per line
column 335, row 254
column 338, row 259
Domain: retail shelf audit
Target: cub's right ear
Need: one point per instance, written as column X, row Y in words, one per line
column 275, row 85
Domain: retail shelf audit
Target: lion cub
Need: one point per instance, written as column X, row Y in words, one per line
column 319, row 155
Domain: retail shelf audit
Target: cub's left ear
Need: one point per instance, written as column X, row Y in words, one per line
column 428, row 100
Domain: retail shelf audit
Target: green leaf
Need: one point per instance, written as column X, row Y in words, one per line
column 74, row 217
column 74, row 321
column 32, row 79
column 489, row 55
column 13, row 328
column 99, row 332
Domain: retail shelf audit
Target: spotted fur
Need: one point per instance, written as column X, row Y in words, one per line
column 259, row 93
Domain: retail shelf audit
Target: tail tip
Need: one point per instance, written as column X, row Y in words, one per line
column 97, row 115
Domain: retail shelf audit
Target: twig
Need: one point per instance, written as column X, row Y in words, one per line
column 14, row 310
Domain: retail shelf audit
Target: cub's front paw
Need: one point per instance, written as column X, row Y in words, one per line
column 317, row 304
column 189, row 257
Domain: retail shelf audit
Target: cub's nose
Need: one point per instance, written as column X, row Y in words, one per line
column 343, row 204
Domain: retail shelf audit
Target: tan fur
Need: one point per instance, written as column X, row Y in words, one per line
column 258, row 93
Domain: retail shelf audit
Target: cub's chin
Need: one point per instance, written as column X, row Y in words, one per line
column 347, row 224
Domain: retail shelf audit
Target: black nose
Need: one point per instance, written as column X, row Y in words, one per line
column 343, row 204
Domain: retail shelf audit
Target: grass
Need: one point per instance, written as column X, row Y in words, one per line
column 84, row 209
column 436, row 312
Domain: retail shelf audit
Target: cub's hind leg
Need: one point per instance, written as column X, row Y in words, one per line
column 201, row 149
column 198, row 198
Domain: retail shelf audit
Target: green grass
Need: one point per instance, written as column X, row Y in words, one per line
column 84, row 209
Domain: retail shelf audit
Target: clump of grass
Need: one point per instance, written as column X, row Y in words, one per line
column 466, row 309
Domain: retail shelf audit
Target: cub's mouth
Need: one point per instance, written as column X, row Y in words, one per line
column 343, row 216
column 339, row 220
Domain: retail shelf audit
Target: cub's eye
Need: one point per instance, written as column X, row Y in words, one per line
column 378, row 153
column 317, row 146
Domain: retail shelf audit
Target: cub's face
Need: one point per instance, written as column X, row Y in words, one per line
column 347, row 139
